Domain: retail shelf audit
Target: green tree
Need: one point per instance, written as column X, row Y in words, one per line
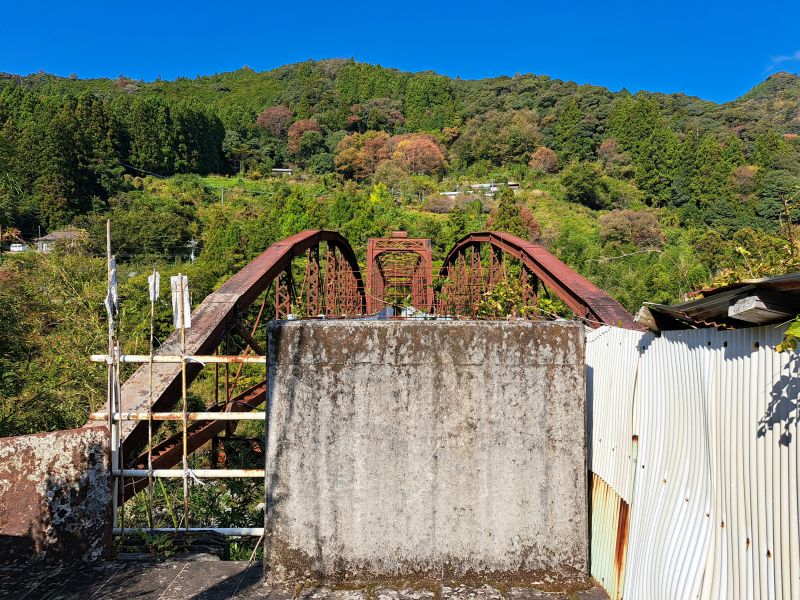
column 583, row 183
column 655, row 168
column 771, row 151
column 429, row 103
column 633, row 120
column 152, row 135
column 506, row 214
column 567, row 135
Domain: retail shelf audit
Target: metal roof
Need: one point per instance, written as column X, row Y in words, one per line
column 711, row 308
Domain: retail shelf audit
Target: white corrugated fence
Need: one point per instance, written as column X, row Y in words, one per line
column 694, row 459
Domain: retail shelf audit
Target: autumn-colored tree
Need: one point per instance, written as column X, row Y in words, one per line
column 376, row 150
column 744, row 179
column 544, row 159
column 418, row 153
column 276, row 120
column 357, row 155
column 637, row 227
column 532, row 227
column 347, row 159
column 297, row 130
column 608, row 152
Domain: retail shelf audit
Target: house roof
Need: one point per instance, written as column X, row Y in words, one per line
column 55, row 236
column 746, row 303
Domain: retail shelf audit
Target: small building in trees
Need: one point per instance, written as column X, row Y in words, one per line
column 68, row 239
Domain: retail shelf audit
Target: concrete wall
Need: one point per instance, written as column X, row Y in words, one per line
column 436, row 450
column 55, row 500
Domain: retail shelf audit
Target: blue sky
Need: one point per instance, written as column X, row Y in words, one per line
column 715, row 50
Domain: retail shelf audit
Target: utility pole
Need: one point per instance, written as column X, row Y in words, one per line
column 223, row 196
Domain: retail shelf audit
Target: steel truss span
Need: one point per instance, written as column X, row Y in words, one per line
column 311, row 274
column 315, row 274
column 478, row 263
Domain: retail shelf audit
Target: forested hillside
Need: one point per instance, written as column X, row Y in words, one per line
column 67, row 143
column 649, row 195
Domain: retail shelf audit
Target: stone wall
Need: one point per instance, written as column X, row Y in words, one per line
column 426, row 450
column 55, row 499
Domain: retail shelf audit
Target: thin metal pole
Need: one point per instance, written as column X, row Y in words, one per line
column 118, row 400
column 216, row 380
column 185, row 422
column 177, row 359
column 150, row 410
column 233, row 531
column 207, row 473
column 111, row 386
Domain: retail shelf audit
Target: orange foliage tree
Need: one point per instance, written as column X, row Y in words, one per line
column 544, row 159
column 357, row 155
column 297, row 130
column 417, row 153
column 276, row 120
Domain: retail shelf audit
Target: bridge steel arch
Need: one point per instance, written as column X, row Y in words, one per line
column 467, row 279
column 416, row 274
column 335, row 290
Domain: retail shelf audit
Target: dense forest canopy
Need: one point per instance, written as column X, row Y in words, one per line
column 66, row 143
column 649, row 195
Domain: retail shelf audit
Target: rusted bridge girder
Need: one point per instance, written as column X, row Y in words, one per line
column 467, row 279
column 218, row 313
column 329, row 284
column 399, row 266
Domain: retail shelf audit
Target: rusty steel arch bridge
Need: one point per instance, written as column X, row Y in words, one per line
column 315, row 274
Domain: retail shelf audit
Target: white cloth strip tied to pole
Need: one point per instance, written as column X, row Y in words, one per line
column 177, row 282
column 112, row 296
column 154, row 283
column 193, row 475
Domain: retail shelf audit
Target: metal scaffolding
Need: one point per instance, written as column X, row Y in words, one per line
column 114, row 415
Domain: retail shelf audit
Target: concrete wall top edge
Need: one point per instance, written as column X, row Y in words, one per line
column 466, row 343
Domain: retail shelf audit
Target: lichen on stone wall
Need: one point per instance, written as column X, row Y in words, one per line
column 55, row 497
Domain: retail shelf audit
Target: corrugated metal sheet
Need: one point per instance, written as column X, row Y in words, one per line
column 612, row 359
column 714, row 498
column 610, row 523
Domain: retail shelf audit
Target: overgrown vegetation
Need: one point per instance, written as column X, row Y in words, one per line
column 648, row 195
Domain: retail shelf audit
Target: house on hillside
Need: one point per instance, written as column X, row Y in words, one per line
column 70, row 239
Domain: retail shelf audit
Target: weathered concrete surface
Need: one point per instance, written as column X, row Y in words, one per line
column 215, row 580
column 55, row 499
column 443, row 451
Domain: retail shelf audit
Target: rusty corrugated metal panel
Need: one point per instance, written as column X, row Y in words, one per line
column 714, row 508
column 609, row 530
column 612, row 359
